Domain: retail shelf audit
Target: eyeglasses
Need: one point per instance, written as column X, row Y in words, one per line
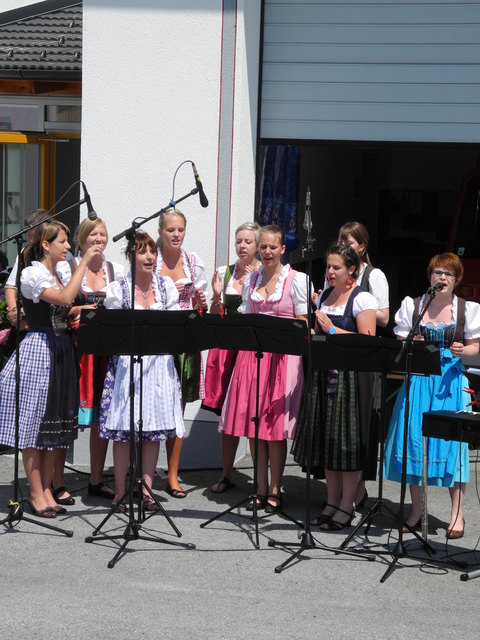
column 439, row 273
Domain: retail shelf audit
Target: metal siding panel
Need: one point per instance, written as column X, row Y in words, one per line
column 388, row 53
column 364, row 70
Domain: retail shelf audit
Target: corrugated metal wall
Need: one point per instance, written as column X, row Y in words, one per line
column 389, row 70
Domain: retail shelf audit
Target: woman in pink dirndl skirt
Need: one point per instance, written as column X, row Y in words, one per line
column 275, row 290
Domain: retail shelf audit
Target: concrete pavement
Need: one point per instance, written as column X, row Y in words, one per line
column 54, row 587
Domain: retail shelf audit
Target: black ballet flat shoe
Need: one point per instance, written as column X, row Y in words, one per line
column 101, row 490
column 261, row 502
column 48, row 512
column 336, row 525
column 273, row 508
column 362, row 501
column 69, row 500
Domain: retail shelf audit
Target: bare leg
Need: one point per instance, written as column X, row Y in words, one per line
column 229, row 450
column 49, row 460
column 58, row 478
column 121, row 459
column 174, row 449
column 457, row 493
column 334, row 490
column 416, row 512
column 360, row 492
column 262, row 465
column 349, row 489
column 32, row 463
column 277, row 451
column 98, row 453
column 150, row 458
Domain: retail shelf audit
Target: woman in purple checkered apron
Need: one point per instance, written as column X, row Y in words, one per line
column 188, row 273
column 48, row 366
column 162, row 418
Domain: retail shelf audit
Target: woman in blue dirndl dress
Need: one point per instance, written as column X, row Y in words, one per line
column 454, row 325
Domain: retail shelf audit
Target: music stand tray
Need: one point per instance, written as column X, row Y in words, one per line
column 138, row 333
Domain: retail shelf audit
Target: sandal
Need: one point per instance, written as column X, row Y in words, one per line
column 336, row 525
column 149, row 504
column 222, row 484
column 68, row 500
column 323, row 518
column 273, row 508
column 119, row 507
column 101, row 490
column 261, row 502
column 175, row 493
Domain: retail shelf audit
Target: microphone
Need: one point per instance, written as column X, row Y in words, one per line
column 90, row 210
column 433, row 290
column 307, row 221
column 201, row 193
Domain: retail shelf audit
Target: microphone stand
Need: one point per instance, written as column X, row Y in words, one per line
column 133, row 529
column 400, row 550
column 307, row 541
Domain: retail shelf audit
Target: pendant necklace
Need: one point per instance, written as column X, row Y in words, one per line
column 144, row 294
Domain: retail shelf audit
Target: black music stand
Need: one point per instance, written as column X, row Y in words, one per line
column 356, row 352
column 382, row 359
column 109, row 332
column 262, row 334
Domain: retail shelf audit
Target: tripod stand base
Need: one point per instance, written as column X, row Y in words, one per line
column 16, row 514
column 130, row 533
column 134, row 526
column 251, row 499
column 307, row 542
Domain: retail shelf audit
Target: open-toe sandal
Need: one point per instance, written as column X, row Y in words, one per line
column 261, row 502
column 149, row 504
column 175, row 493
column 273, row 508
column 101, row 490
column 323, row 518
column 336, row 525
column 68, row 500
column 222, row 484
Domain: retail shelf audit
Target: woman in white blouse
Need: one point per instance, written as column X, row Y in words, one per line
column 454, row 325
column 162, row 399
column 339, row 405
column 48, row 366
column 275, row 290
column 188, row 273
column 98, row 274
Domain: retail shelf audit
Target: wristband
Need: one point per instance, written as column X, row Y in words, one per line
column 332, row 330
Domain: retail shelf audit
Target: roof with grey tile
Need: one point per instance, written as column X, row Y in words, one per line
column 43, row 40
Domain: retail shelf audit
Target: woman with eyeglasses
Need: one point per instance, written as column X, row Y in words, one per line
column 454, row 325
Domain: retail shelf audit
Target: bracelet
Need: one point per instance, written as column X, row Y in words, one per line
column 11, row 309
column 332, row 330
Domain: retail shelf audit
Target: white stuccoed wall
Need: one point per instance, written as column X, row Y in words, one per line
column 150, row 100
